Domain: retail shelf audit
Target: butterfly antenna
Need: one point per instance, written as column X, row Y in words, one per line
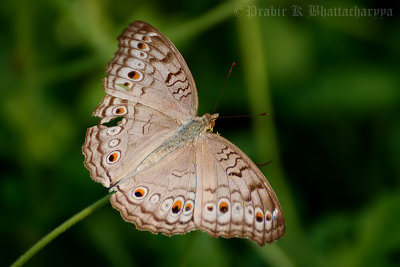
column 243, row 116
column 223, row 88
column 264, row 164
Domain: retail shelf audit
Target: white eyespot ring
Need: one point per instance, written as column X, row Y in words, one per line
column 135, row 63
column 142, row 37
column 140, row 192
column 138, row 54
column 249, row 214
column 275, row 214
column 113, row 130
column 113, row 142
column 154, row 199
column 188, row 208
column 268, row 216
column 268, row 220
column 166, row 205
column 237, row 209
column 113, row 157
column 210, row 208
column 259, row 215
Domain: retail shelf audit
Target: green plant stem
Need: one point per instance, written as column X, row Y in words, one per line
column 59, row 230
column 194, row 27
column 257, row 83
column 273, row 255
column 255, row 64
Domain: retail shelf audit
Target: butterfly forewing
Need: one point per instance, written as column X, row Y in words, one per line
column 146, row 75
column 167, row 171
column 149, row 69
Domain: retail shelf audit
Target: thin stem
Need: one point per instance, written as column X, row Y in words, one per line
column 193, row 27
column 59, row 230
column 273, row 255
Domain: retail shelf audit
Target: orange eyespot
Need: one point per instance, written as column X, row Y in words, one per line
column 142, row 46
column 268, row 217
column 139, row 192
column 259, row 217
column 188, row 207
column 134, row 75
column 126, row 84
column 223, row 207
column 120, row 110
column 145, row 38
column 177, row 206
column 113, row 157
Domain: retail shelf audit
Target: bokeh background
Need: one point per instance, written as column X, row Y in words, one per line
column 331, row 87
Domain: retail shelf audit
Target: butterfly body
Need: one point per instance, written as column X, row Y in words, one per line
column 188, row 133
column 168, row 171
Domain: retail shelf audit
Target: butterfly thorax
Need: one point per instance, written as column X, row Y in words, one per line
column 193, row 129
column 185, row 135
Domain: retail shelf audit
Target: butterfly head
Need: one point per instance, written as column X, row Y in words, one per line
column 209, row 121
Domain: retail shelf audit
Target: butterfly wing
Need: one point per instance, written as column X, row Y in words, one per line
column 160, row 198
column 150, row 86
column 148, row 69
column 205, row 183
column 233, row 198
column 112, row 152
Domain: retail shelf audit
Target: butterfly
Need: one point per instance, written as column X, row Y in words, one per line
column 167, row 171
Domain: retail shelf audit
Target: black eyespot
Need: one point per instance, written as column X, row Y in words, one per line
column 175, row 209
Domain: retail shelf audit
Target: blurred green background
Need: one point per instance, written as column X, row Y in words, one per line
column 330, row 84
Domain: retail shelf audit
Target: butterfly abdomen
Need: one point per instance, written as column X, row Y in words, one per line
column 184, row 135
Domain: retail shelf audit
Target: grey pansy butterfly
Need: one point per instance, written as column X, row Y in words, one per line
column 168, row 172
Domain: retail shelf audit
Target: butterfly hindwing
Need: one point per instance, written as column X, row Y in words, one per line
column 161, row 197
column 233, row 198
